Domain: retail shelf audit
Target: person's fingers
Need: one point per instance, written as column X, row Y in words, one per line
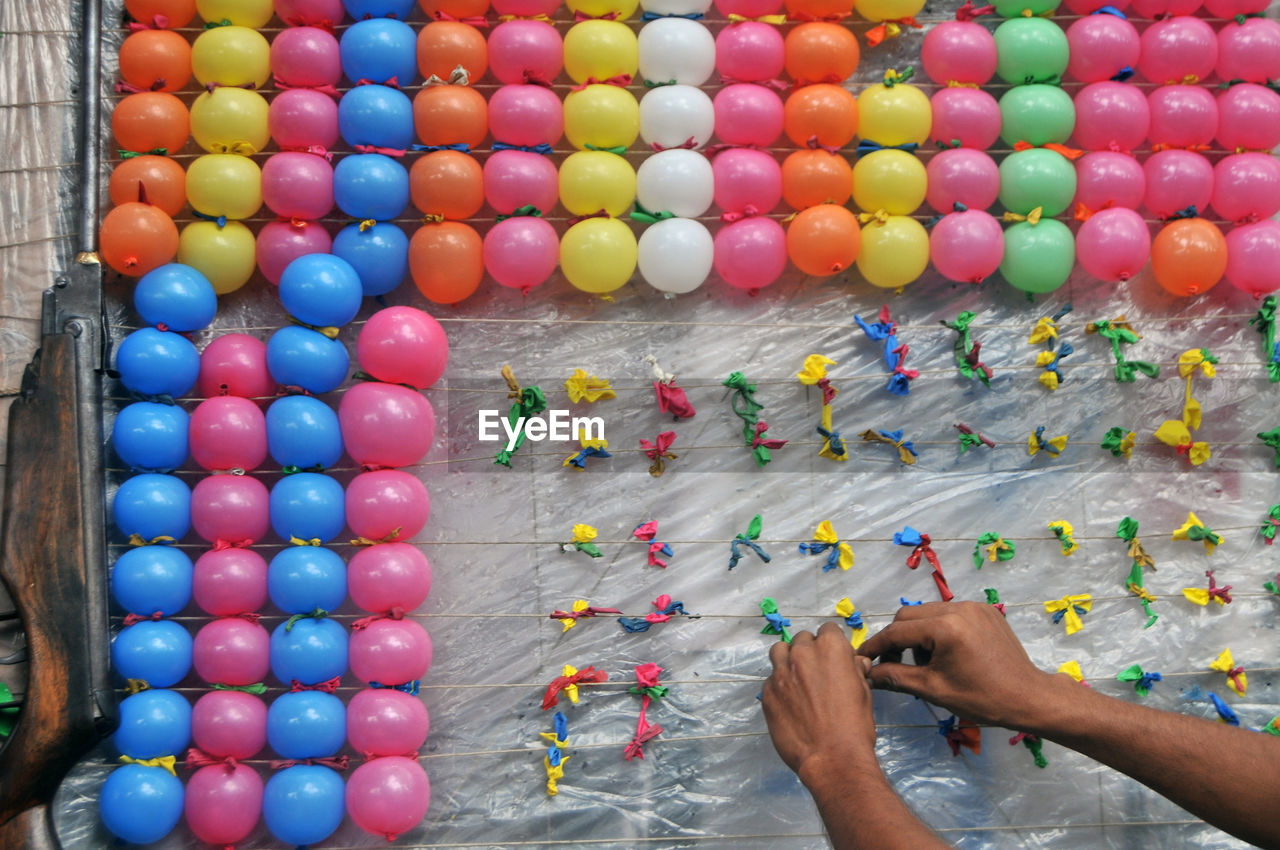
column 862, row 664
column 899, row 636
column 831, row 636
column 801, row 639
column 778, row 656
column 904, row 678
column 921, row 612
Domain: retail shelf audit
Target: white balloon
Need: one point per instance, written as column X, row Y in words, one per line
column 676, row 255
column 675, row 48
column 677, row 181
column 672, row 115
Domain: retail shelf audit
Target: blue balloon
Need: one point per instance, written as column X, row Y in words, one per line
column 309, row 506
column 153, row 723
column 376, row 115
column 303, row 432
column 379, row 254
column 176, row 296
column 157, row 363
column 156, row 651
column 304, row 578
column 306, row 725
column 321, row 289
column 301, row 357
column 141, row 804
column 361, row 9
column 151, row 437
column 148, row 579
column 380, row 50
column 304, row 804
column 152, row 505
column 371, row 186
column 309, row 651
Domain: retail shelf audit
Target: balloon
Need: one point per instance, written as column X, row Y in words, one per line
column 961, row 176
column 282, row 242
column 229, row 509
column 242, row 13
column 1025, row 8
column 151, row 437
column 1109, row 179
column 750, row 253
column 141, row 804
column 820, row 52
column 676, row 7
column 598, row 255
column 894, row 115
column 1038, row 257
column 387, row 505
column 158, row 179
column 379, row 50
column 309, row 506
column 229, row 724
column 823, row 113
column 677, row 116
column 1177, row 180
column 361, row 10
column 521, row 252
column 872, row 10
column 1188, row 256
column 231, row 56
column 674, row 49
column 1088, row 7
column 304, row 578
column 450, row 115
column 1031, row 50
column 403, row 345
column 599, row 50
column 675, row 255
column 1037, row 114
column 748, row 8
column 306, row 57
column 515, row 178
column 1248, row 118
column 526, row 116
column 388, row 796
column 301, row 118
column 230, row 120
column 622, row 9
column 446, row 260
column 959, row 50
column 1101, row 47
column 749, row 52
column 137, row 238
column 1178, row 50
column 377, row 116
column 224, row 185
column 391, row 652
column 527, row 51
column 387, row 576
column 370, row 186
column 378, row 254
column 157, row 363
column 229, row 582
column 153, row 505
column 889, row 180
column 1249, row 51
column 235, row 364
column 1152, row 9
column 1111, row 116
column 823, row 240
column 176, row 296
column 526, row 8
column 156, row 60
column 385, row 425
column 601, row 116
column 309, row 13
column 309, row 651
column 447, row 183
column 231, row 651
column 1113, row 244
column 1246, row 187
column 1231, row 8
column 748, row 114
column 966, row 246
column 1253, row 255
column 306, row 724
column 969, row 117
column 894, row 252
column 594, row 180
column 446, row 45
column 303, row 432
column 161, row 13
column 321, row 289
column 223, row 802
column 228, row 433
column 383, row 722
column 150, row 579
column 153, row 723
column 225, row 256
column 1182, row 116
column 156, row 651
column 1037, row 178
column 154, row 122
column 812, row 177
column 746, row 180
column 676, row 181
column 304, row 804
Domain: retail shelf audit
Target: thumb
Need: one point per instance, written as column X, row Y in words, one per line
column 903, row 678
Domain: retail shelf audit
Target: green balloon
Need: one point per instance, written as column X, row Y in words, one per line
column 1037, row 114
column 1037, row 178
column 1030, row 50
column 1016, row 8
column 1038, row 257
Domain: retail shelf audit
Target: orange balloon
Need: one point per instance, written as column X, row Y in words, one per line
column 821, row 52
column 1189, row 256
column 136, row 238
column 162, row 13
column 450, row 115
column 823, row 240
column 445, row 45
column 156, row 60
column 447, row 183
column 819, row 10
column 811, row 177
column 151, row 121
column 826, row 111
column 155, row 180
column 446, row 261
column 437, row 10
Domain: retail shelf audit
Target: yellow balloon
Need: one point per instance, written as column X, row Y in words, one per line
column 243, row 13
column 593, row 180
column 894, row 115
column 888, row 10
column 598, row 255
column 228, row 120
column 602, row 117
column 889, row 180
column 225, row 255
column 622, row 9
column 231, row 56
column 223, row 184
column 600, row 50
column 894, row 252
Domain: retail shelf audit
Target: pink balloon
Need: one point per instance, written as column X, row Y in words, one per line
column 228, row 432
column 526, row 115
column 310, row 13
column 1182, row 116
column 746, row 180
column 403, row 345
column 1088, row 7
column 524, row 52
column 306, row 57
column 1152, row 9
column 748, row 8
column 961, row 176
column 223, row 803
column 1253, row 256
column 391, row 652
column 966, row 246
column 747, row 114
column 750, row 51
column 1113, row 244
column 521, row 252
column 383, row 722
column 1111, row 116
column 751, row 253
column 389, row 575
column 282, row 242
column 1249, row 51
column 1101, row 47
column 388, row 796
column 386, row 424
column 229, row 582
column 959, row 50
column 1246, row 187
column 1177, row 180
column 299, row 119
column 387, row 504
column 1177, row 49
column 515, row 178
column 1107, row 179
column 1231, row 8
column 231, row 651
column 297, row 185
column 526, row 8
column 230, row 509
column 229, row 724
column 968, row 116
column 1248, row 118
column 235, row 364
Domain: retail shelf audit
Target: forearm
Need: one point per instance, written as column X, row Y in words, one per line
column 861, row 810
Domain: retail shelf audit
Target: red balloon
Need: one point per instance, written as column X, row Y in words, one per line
column 388, row 796
column 223, row 803
column 236, row 364
column 228, row 433
column 403, row 345
column 386, row 425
